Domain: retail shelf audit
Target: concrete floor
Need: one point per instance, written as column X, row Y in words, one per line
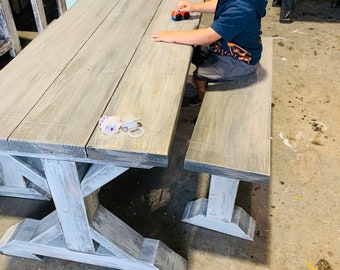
column 298, row 222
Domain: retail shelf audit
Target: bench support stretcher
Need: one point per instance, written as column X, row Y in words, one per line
column 80, row 229
column 218, row 212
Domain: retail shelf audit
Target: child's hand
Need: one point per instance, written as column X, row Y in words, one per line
column 185, row 6
column 164, row 36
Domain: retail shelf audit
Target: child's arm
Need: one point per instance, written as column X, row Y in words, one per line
column 194, row 37
column 200, row 36
column 209, row 6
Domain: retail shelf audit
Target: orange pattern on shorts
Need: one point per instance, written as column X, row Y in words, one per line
column 235, row 51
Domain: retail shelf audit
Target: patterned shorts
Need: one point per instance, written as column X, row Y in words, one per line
column 213, row 67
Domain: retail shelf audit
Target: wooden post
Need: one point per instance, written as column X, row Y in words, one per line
column 61, row 5
column 222, row 192
column 66, row 193
column 7, row 26
column 39, row 14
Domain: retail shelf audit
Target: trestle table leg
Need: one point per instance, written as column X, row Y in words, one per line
column 84, row 231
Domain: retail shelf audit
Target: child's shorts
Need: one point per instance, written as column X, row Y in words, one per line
column 213, row 67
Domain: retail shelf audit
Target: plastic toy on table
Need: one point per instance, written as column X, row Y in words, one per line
column 178, row 15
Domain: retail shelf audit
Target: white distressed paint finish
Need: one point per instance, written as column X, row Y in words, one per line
column 10, row 175
column 242, row 225
column 22, row 179
column 29, row 171
column 99, row 175
column 62, row 177
column 222, row 196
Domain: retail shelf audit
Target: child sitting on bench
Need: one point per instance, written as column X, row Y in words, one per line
column 234, row 40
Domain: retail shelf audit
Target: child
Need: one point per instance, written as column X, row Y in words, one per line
column 234, row 38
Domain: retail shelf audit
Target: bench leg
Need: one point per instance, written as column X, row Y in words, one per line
column 218, row 212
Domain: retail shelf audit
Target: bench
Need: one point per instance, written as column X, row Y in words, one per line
column 231, row 141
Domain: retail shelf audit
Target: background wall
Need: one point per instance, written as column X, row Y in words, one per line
column 69, row 3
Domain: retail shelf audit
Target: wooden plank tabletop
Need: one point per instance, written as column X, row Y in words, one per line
column 151, row 90
column 65, row 116
column 29, row 75
column 97, row 59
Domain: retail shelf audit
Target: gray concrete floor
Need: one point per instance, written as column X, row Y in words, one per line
column 297, row 214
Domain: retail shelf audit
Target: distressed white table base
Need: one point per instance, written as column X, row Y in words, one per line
column 23, row 178
column 81, row 229
column 219, row 212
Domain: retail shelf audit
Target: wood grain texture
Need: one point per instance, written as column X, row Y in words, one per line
column 114, row 69
column 122, row 236
column 64, row 118
column 30, row 171
column 151, row 90
column 5, row 46
column 28, row 76
column 232, row 136
column 99, row 175
column 221, row 199
column 242, row 225
column 157, row 253
column 47, row 229
column 69, row 203
column 22, row 192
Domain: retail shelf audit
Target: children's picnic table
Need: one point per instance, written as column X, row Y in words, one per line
column 96, row 59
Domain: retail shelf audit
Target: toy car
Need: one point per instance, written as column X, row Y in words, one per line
column 178, row 15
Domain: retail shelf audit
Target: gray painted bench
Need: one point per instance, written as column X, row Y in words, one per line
column 231, row 141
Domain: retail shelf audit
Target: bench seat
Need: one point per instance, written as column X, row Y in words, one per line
column 231, row 141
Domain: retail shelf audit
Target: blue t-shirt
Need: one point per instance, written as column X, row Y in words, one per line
column 239, row 24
